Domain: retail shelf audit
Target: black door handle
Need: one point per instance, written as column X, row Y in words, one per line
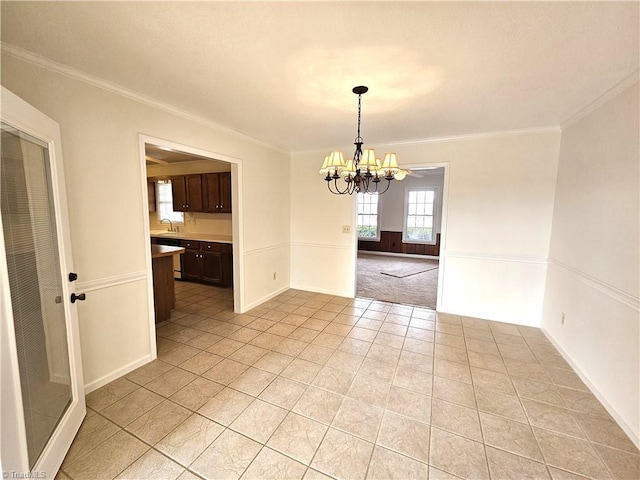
column 73, row 277
column 75, row 297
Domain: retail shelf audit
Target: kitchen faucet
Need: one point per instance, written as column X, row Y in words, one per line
column 170, row 229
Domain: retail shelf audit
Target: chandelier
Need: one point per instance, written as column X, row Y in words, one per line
column 364, row 172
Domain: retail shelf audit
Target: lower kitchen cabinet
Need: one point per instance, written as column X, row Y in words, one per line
column 207, row 262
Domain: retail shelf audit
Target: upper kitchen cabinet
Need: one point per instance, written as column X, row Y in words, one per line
column 217, row 192
column 151, row 194
column 187, row 193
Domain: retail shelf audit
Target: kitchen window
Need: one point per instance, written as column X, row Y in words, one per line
column 367, row 205
column 165, row 203
column 419, row 217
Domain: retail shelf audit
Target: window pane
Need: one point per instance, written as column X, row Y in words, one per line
column 367, row 218
column 165, row 203
column 420, row 210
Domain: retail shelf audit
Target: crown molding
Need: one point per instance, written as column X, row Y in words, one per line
column 452, row 138
column 71, row 72
column 602, row 99
column 473, row 136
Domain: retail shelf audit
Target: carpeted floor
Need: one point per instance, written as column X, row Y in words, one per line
column 412, row 281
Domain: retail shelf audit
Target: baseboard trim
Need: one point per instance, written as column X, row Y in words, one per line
column 266, row 298
column 111, row 376
column 335, row 293
column 634, row 436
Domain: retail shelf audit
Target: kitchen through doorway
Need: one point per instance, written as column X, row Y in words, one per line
column 399, row 240
column 191, row 216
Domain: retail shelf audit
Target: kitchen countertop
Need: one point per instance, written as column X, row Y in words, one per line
column 158, row 251
column 198, row 237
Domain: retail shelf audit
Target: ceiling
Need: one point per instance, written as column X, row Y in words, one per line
column 165, row 156
column 282, row 72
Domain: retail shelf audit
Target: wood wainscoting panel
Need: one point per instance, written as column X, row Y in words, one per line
column 392, row 242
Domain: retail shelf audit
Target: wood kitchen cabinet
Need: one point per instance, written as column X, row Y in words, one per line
column 217, row 192
column 207, row 262
column 151, row 193
column 187, row 193
column 190, row 263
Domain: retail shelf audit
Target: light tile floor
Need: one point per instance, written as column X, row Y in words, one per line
column 313, row 386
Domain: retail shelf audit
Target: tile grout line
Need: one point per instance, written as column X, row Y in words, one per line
column 189, row 324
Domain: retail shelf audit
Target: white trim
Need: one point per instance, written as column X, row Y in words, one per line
column 236, row 218
column 495, row 258
column 114, row 375
column 324, row 291
column 603, row 400
column 267, row 297
column 450, row 138
column 402, row 255
column 601, row 100
column 321, row 245
column 51, row 65
column 616, row 294
column 265, row 249
column 113, row 281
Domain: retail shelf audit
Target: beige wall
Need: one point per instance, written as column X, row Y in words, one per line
column 593, row 272
column 100, row 140
column 498, row 205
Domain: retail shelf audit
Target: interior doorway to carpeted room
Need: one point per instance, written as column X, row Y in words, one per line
column 399, row 239
column 399, row 279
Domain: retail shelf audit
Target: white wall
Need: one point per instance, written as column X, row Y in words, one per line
column 392, row 203
column 593, row 260
column 499, row 192
column 107, row 212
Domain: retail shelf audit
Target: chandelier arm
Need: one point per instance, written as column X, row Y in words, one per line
column 388, row 185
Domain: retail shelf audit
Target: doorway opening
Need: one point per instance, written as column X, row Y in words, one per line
column 400, row 235
column 193, row 228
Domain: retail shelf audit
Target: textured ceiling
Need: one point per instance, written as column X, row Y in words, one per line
column 282, row 72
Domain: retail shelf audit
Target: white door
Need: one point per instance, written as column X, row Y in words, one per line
column 42, row 391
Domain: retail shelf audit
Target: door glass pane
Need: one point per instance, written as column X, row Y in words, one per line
column 31, row 243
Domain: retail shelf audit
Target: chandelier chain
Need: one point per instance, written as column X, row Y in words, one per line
column 358, row 137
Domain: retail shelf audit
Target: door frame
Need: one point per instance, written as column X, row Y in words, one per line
column 443, row 228
column 236, row 221
column 19, row 114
